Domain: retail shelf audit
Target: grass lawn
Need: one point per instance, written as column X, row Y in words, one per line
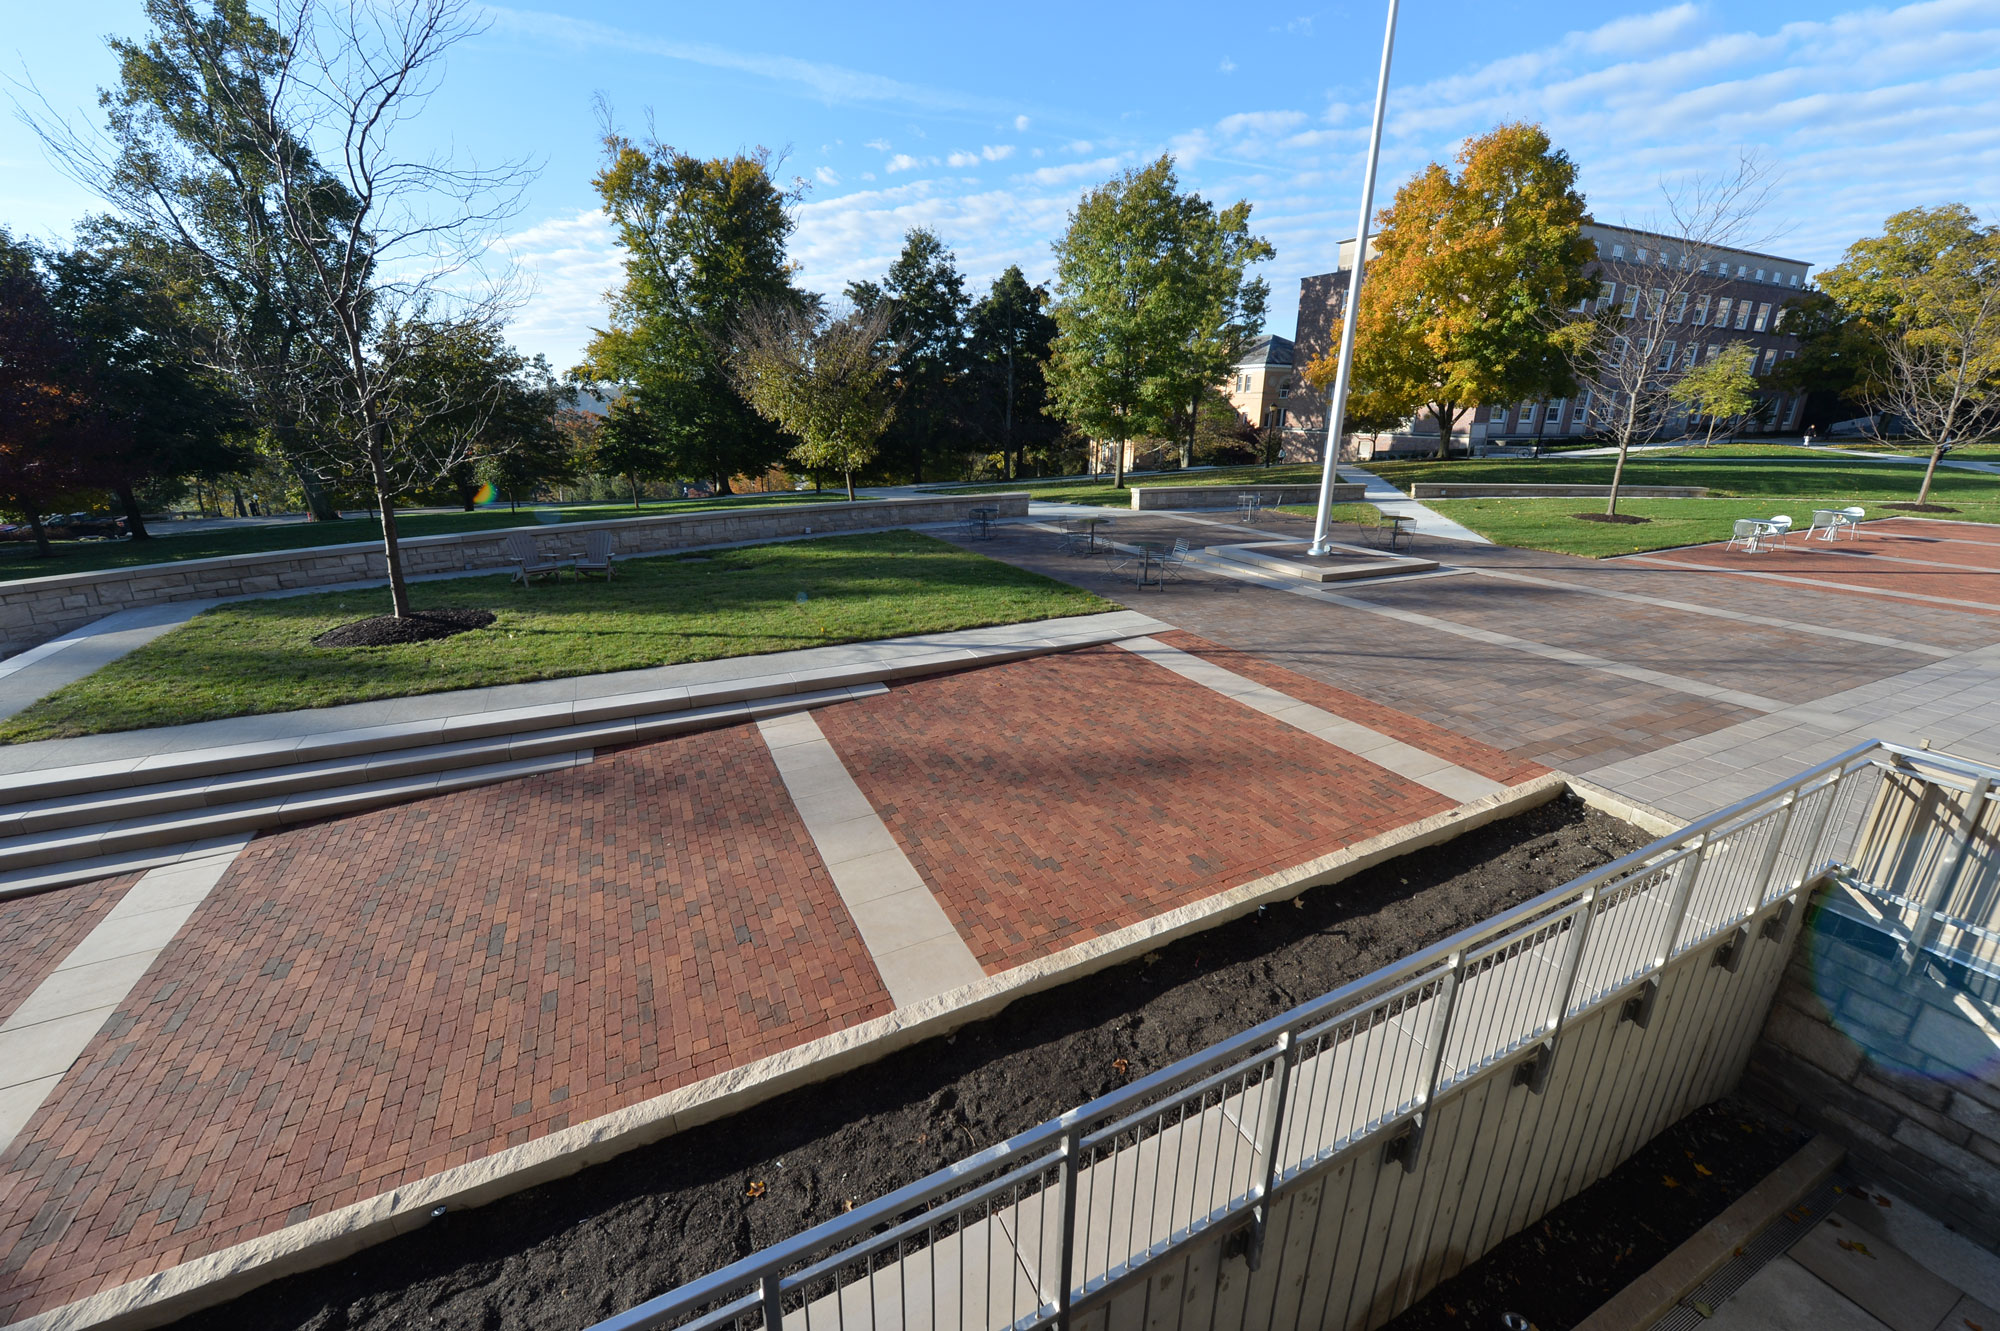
column 1962, row 453
column 1549, row 524
column 257, row 656
column 1361, row 515
column 1733, row 471
column 18, row 560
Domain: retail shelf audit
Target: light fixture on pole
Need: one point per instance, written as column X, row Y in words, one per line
column 1337, row 404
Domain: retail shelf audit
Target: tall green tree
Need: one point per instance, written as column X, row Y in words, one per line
column 1011, row 334
column 1144, row 276
column 704, row 243
column 1225, row 312
column 1926, row 296
column 1463, row 296
column 196, row 199
column 924, row 293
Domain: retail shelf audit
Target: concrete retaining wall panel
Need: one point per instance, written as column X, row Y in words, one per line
column 1226, row 496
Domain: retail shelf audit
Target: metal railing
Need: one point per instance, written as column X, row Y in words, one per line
column 1033, row 1230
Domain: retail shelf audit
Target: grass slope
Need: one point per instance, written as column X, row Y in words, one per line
column 1101, row 493
column 257, row 656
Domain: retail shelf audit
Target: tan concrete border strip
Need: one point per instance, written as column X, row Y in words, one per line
column 1654, row 1294
column 1385, row 751
column 221, row 1276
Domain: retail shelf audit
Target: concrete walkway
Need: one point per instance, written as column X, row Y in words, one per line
column 1424, row 521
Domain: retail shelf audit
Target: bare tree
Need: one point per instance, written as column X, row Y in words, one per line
column 1630, row 344
column 821, row 377
column 1939, row 381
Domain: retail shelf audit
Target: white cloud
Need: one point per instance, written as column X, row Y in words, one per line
column 905, row 162
column 1259, row 122
column 1071, row 171
column 879, row 145
column 1020, row 124
column 997, row 152
column 962, row 158
column 826, row 175
column 1227, row 66
column 1080, row 146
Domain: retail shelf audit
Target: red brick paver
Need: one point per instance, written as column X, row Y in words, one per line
column 1489, row 762
column 1050, row 801
column 37, row 932
column 366, row 1002
column 1884, row 561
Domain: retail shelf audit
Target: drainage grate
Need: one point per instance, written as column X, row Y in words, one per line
column 1777, row 1237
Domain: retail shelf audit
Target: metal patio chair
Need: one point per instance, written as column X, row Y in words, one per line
column 1170, row 567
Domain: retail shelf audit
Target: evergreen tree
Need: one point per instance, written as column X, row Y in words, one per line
column 1008, row 350
column 925, row 294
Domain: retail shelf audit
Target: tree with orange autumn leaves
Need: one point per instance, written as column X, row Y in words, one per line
column 1461, row 290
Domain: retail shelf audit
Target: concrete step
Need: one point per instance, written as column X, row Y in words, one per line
column 114, row 825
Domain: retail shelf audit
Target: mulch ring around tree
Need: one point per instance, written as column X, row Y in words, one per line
column 1918, row 508
column 1627, row 518
column 419, row 626
column 1565, row 1266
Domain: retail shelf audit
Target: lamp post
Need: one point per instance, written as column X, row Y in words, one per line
column 1337, row 405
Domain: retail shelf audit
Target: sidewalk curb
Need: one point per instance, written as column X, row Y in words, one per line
column 1655, row 1294
column 219, row 1277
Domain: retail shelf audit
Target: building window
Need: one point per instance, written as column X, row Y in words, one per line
column 1679, row 310
column 1760, row 274
column 1556, row 410
column 1631, row 302
column 1617, row 251
column 1666, row 361
column 1642, row 254
column 1701, row 311
column 1763, row 316
column 1527, row 413
column 1742, row 314
column 1795, row 279
column 1607, row 294
column 1714, row 350
column 1742, row 271
column 1770, row 360
column 1688, row 357
column 1617, row 352
column 1285, row 389
column 1653, row 302
column 1722, row 312
column 1497, row 415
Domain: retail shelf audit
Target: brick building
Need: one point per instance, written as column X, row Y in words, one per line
column 1739, row 296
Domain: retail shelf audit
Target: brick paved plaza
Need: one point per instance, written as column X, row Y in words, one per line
column 360, row 1003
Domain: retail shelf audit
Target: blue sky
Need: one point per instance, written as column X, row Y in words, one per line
column 985, row 122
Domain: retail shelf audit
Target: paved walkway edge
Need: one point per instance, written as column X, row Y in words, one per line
column 1654, row 1294
column 221, row 1276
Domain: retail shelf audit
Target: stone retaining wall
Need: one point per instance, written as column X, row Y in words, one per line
column 34, row 610
column 1225, row 496
column 1488, row 490
column 1902, row 1069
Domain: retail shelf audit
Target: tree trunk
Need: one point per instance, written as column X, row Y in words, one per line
column 633, row 477
column 42, row 550
column 319, row 505
column 850, row 485
column 385, row 504
column 1007, row 429
column 1118, row 464
column 135, row 521
column 1924, row 493
column 1444, row 420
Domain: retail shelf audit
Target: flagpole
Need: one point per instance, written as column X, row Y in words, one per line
column 1337, row 405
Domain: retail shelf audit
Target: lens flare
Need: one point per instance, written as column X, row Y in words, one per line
column 1938, row 1021
column 485, row 494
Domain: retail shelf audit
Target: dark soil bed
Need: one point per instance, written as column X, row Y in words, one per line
column 1918, row 508
column 566, row 1254
column 1561, row 1269
column 1623, row 519
column 417, row 626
